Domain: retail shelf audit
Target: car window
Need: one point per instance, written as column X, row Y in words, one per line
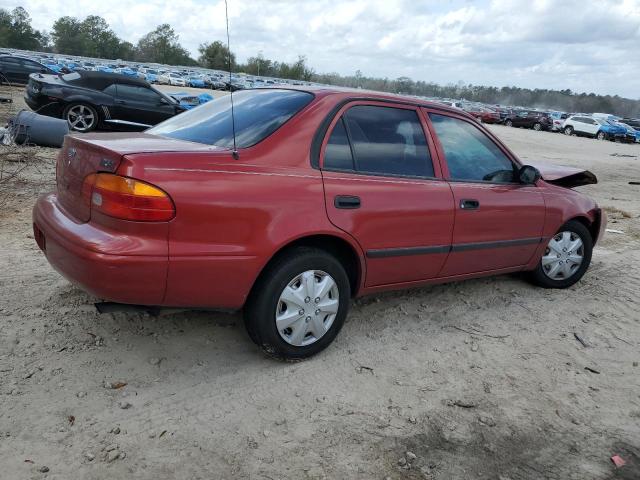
column 388, row 140
column 337, row 153
column 258, row 113
column 135, row 93
column 470, row 154
column 32, row 66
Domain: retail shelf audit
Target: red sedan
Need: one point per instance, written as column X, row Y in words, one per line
column 330, row 194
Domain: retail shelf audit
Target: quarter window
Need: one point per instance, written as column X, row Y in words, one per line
column 384, row 140
column 337, row 154
column 470, row 154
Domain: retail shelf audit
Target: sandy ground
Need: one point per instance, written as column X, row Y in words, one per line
column 482, row 379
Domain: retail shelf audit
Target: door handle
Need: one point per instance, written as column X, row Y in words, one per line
column 346, row 201
column 469, row 204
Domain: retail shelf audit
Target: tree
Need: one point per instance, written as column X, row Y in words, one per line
column 68, row 36
column 162, row 46
column 216, row 55
column 16, row 31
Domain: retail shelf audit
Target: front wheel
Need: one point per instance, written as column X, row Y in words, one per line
column 565, row 258
column 509, row 123
column 601, row 136
column 299, row 304
column 568, row 131
column 537, row 126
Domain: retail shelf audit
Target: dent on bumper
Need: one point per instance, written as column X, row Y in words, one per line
column 76, row 250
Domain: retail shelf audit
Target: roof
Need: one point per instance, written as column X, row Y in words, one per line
column 101, row 80
column 358, row 93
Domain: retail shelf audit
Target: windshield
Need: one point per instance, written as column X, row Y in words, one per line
column 258, row 113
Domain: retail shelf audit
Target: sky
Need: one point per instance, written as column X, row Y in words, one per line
column 586, row 46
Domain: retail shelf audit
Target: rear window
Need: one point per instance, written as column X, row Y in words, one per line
column 258, row 113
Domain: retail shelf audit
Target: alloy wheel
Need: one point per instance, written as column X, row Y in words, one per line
column 537, row 126
column 81, row 118
column 563, row 256
column 307, row 308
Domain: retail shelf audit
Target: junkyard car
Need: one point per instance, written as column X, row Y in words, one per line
column 15, row 69
column 90, row 100
column 529, row 119
column 589, row 126
column 330, row 194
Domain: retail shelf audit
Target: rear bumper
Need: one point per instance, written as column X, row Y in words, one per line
column 77, row 251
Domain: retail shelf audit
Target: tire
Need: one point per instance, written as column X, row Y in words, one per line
column 568, row 130
column 479, row 119
column 537, row 126
column 601, row 136
column 81, row 117
column 289, row 273
column 543, row 274
column 508, row 123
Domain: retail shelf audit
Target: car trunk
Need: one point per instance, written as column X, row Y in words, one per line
column 83, row 155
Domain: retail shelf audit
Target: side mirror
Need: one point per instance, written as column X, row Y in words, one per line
column 528, row 175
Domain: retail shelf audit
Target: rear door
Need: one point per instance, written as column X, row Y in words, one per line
column 383, row 188
column 498, row 221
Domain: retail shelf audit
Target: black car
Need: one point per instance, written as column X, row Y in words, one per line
column 90, row 100
column 529, row 119
column 633, row 122
column 15, row 69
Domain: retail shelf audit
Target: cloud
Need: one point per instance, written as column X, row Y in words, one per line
column 581, row 45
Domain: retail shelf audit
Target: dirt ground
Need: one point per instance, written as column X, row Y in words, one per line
column 483, row 379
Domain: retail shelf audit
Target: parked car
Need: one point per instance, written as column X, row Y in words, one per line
column 172, row 78
column 329, row 194
column 634, row 122
column 529, row 119
column 90, row 100
column 558, row 120
column 482, row 114
column 16, row 69
column 588, row 126
column 195, row 82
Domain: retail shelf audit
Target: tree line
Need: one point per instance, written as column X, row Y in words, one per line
column 92, row 37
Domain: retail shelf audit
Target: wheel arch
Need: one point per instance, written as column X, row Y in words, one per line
column 592, row 225
column 345, row 251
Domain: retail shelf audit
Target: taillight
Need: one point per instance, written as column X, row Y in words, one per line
column 127, row 198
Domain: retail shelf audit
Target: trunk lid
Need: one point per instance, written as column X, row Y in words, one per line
column 567, row 177
column 83, row 155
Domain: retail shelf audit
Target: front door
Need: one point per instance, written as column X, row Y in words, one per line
column 382, row 188
column 498, row 221
column 141, row 105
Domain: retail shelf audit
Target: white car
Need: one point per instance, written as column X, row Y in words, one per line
column 171, row 78
column 584, row 125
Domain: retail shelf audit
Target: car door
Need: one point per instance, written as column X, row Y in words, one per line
column 383, row 188
column 498, row 221
column 12, row 71
column 141, row 105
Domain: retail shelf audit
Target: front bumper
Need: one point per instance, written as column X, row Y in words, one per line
column 77, row 251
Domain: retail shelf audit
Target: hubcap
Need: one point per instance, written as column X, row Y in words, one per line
column 80, row 118
column 563, row 256
column 307, row 308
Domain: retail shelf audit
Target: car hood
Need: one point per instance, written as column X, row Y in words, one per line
column 567, row 177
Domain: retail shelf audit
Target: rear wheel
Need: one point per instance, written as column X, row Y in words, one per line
column 568, row 130
column 508, row 123
column 566, row 257
column 299, row 304
column 81, row 117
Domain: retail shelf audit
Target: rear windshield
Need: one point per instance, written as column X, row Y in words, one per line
column 258, row 113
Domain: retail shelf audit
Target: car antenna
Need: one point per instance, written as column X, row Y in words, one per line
column 234, row 152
